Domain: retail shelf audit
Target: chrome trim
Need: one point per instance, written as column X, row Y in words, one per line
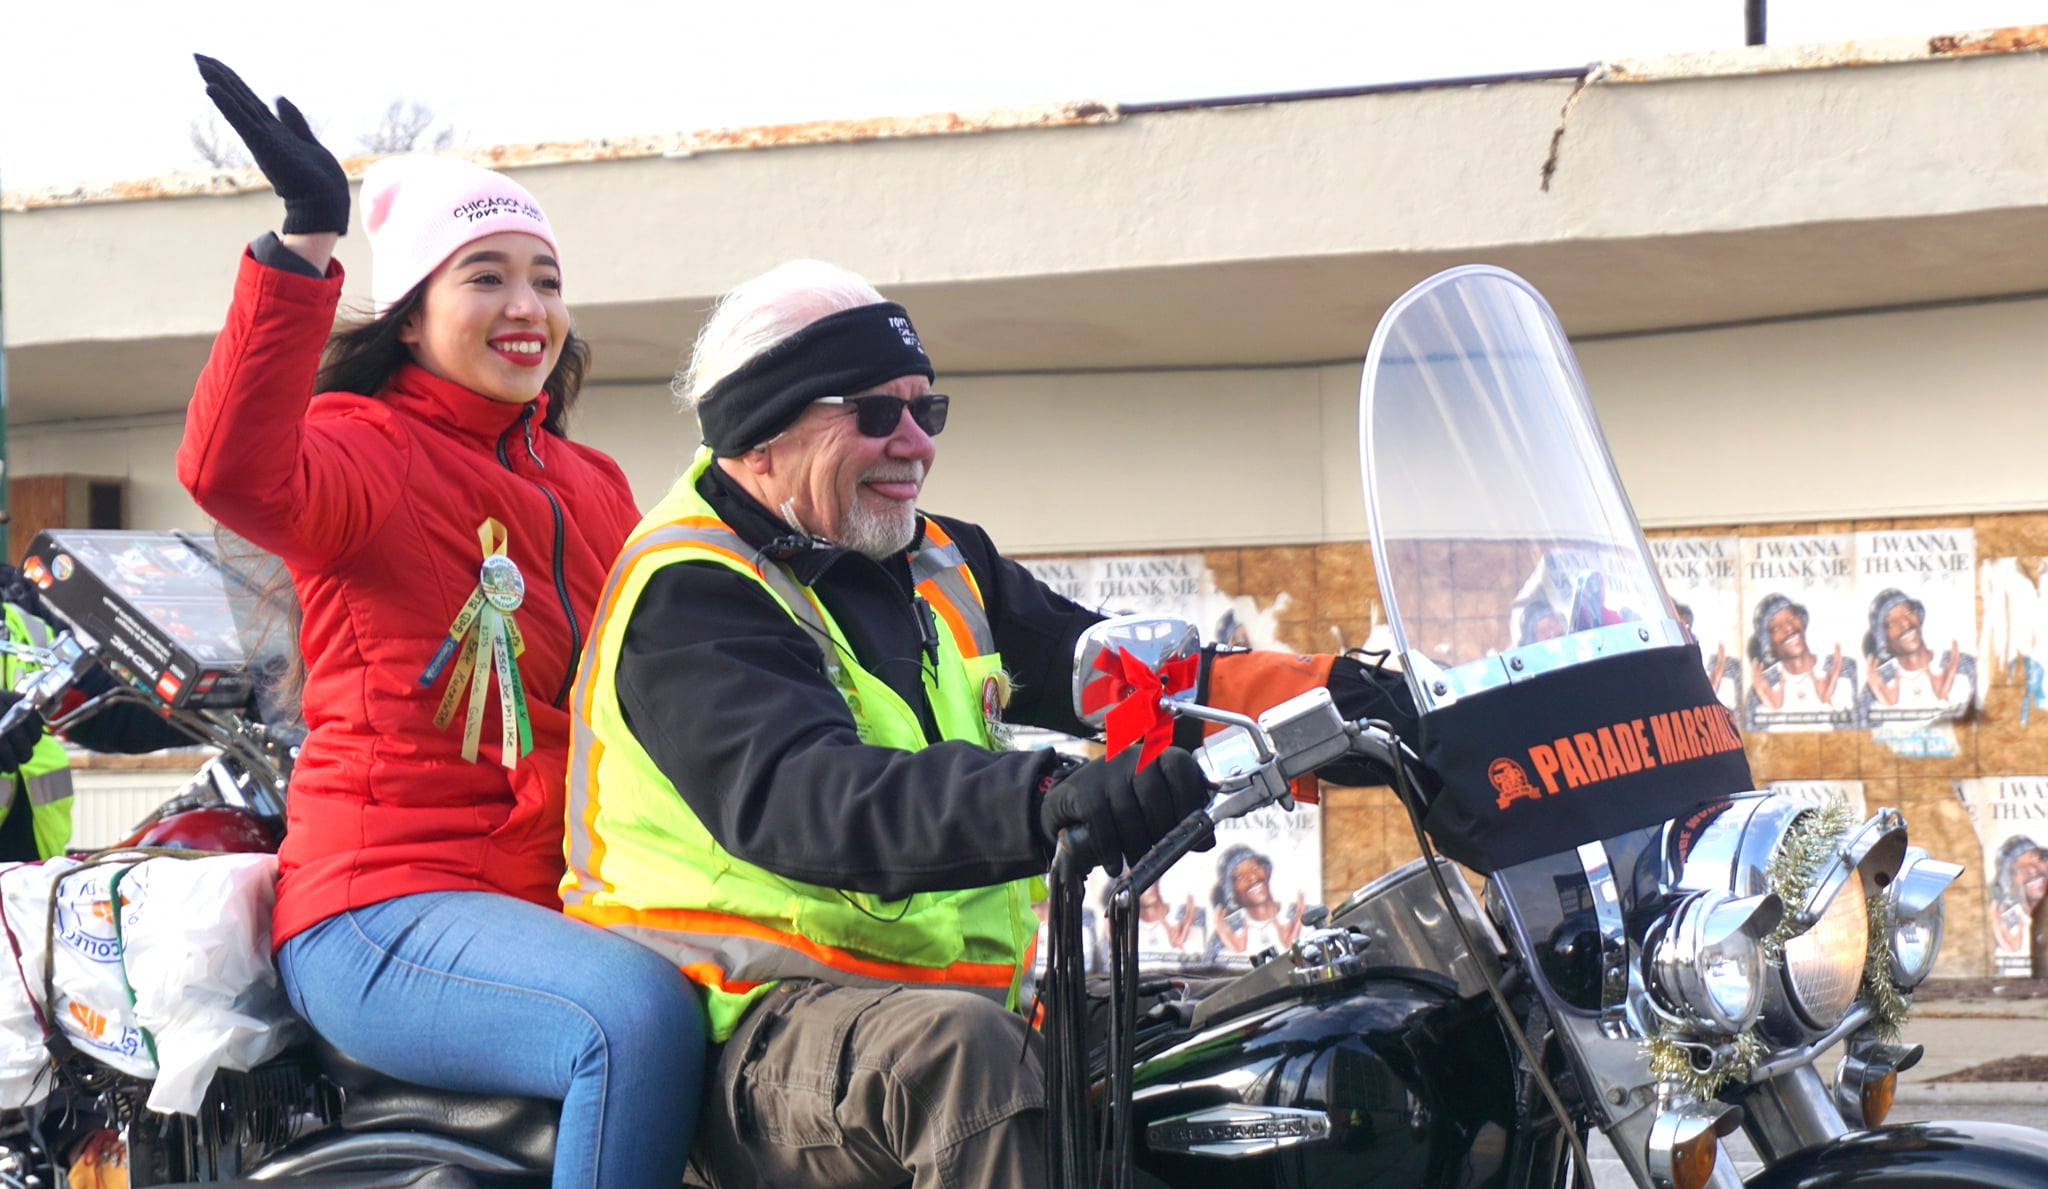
column 1920, row 882
column 1442, row 685
column 1790, row 1112
column 1859, row 1015
column 1404, row 922
column 379, row 1150
column 1613, row 938
column 1327, row 958
column 1167, row 635
column 1234, row 1132
column 1700, row 922
column 1875, row 850
column 1915, row 897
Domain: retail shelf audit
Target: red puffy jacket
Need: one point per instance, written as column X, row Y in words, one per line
column 374, row 504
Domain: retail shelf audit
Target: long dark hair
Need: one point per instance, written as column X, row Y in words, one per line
column 363, row 356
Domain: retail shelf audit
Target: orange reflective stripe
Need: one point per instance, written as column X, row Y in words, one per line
column 970, row 645
column 702, row 921
column 937, row 536
column 588, row 835
column 709, row 974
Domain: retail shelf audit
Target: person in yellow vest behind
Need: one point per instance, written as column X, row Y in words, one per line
column 38, row 817
column 787, row 771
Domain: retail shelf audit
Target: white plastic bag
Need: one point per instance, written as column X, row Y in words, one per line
column 25, row 1072
column 204, row 984
column 186, row 988
column 91, row 1006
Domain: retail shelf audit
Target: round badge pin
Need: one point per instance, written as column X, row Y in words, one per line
column 503, row 586
column 61, row 566
column 992, row 699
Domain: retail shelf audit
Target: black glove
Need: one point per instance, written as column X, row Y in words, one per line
column 16, row 744
column 1125, row 809
column 299, row 167
column 1369, row 691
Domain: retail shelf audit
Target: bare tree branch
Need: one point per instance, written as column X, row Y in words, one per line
column 217, row 149
column 406, row 125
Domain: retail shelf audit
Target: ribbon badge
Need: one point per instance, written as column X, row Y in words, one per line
column 484, row 641
column 1139, row 694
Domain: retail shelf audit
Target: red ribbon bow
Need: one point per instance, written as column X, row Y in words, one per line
column 1139, row 694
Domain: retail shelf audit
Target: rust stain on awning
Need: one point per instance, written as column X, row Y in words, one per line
column 1783, row 59
column 220, row 182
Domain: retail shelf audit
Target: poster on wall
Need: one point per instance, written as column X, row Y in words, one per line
column 1163, row 584
column 1848, row 793
column 2011, row 816
column 1800, row 654
column 1218, row 909
column 1703, row 576
column 1916, row 596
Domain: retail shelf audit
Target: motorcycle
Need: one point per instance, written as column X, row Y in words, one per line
column 1658, row 951
column 144, row 605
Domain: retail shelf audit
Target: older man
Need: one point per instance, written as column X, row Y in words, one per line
column 788, row 773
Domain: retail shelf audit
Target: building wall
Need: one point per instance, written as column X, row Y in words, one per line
column 1332, row 601
column 1918, row 412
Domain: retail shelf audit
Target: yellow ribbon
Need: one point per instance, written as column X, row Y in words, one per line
column 485, row 643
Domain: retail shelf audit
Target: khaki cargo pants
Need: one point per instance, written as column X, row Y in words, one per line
column 857, row 1087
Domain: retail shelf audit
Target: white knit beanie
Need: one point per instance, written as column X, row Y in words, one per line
column 419, row 208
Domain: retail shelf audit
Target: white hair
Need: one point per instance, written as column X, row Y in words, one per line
column 757, row 314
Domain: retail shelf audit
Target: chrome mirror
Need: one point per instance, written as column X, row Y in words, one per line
column 1102, row 660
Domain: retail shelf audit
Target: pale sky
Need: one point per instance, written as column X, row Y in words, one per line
column 99, row 90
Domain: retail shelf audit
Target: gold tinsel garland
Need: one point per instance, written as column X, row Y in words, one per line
column 1672, row 1061
column 1889, row 1006
column 1812, row 840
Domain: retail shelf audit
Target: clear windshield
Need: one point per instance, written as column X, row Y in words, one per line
column 1504, row 543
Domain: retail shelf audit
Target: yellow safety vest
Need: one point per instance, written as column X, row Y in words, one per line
column 46, row 777
column 640, row 862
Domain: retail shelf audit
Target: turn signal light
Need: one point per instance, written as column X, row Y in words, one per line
column 1692, row 1163
column 1877, row 1097
column 1683, row 1148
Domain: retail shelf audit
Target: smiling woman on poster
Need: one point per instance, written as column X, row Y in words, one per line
column 1905, row 680
column 1789, row 687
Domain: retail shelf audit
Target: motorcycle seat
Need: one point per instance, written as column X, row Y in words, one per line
column 522, row 1129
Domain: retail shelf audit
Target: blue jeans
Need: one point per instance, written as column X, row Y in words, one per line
column 488, row 994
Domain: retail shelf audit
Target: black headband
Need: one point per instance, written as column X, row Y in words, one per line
column 838, row 355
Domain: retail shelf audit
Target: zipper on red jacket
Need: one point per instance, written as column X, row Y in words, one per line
column 525, row 423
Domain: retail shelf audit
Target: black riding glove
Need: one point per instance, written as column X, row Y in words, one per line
column 1126, row 809
column 1368, row 691
column 298, row 166
column 18, row 743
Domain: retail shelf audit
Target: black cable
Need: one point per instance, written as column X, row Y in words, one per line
column 1065, row 994
column 1406, row 792
column 1118, row 1065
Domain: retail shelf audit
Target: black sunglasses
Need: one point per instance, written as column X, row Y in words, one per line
column 879, row 415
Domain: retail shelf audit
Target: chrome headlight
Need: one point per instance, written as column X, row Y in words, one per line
column 1736, row 851
column 1917, row 915
column 1824, row 965
column 1706, row 961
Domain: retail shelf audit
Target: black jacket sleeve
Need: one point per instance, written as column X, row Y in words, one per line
column 727, row 695
column 127, row 727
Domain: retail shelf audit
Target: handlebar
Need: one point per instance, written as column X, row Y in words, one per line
column 1251, row 765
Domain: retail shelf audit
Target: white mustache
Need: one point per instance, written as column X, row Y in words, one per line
column 912, row 473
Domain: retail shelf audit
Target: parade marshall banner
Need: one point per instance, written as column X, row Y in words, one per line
column 1578, row 754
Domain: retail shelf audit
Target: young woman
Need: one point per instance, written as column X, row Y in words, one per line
column 448, row 545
